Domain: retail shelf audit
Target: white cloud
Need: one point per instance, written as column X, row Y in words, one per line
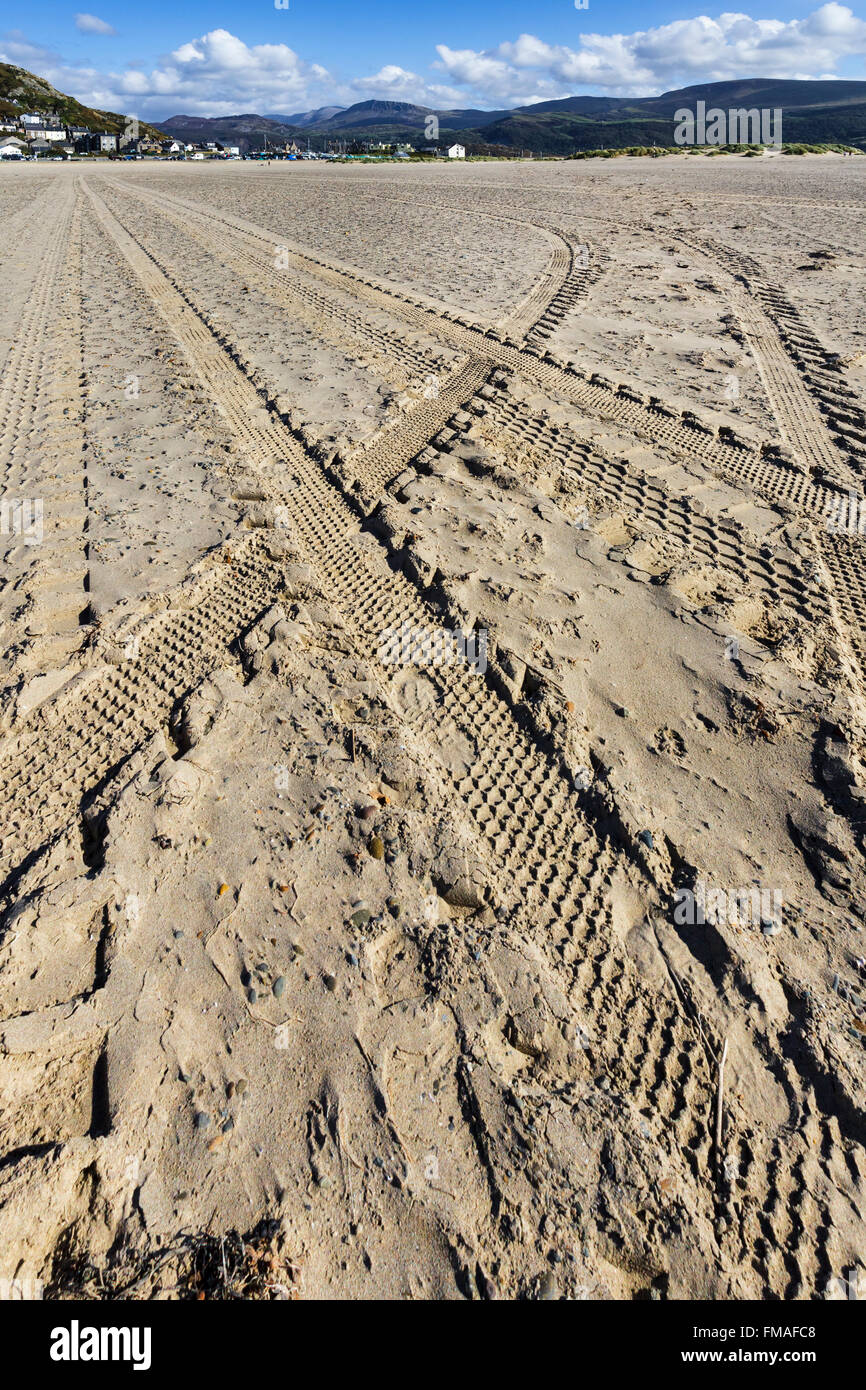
column 214, row 75
column 652, row 60
column 90, row 24
column 218, row 74
column 393, row 83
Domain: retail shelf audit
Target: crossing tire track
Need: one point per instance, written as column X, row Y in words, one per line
column 553, row 857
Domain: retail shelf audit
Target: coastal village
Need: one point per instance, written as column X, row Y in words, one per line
column 37, row 135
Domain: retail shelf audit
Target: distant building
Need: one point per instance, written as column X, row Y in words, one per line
column 38, row 147
column 107, row 143
column 456, row 152
column 37, row 120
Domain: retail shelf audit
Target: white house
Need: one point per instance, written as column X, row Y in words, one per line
column 107, row 142
column 456, row 152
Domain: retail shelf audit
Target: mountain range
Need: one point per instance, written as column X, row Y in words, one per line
column 823, row 111
column 813, row 112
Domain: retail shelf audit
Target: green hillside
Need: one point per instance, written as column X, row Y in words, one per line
column 21, row 91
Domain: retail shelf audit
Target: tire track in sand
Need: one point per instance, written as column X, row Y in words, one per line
column 522, row 805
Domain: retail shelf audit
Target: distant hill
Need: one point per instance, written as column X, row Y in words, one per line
column 813, row 112
column 245, row 131
column 21, row 91
column 820, row 112
column 304, row 118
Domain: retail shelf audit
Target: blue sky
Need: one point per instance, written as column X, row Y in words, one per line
column 221, row 58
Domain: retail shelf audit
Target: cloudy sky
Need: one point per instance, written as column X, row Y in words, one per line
column 191, row 57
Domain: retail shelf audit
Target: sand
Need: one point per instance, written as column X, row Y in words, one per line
column 402, row 966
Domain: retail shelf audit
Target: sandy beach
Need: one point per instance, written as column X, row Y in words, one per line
column 414, row 958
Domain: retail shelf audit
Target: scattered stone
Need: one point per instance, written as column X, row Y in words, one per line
column 376, row 847
column 646, row 838
column 201, row 1120
column 278, row 986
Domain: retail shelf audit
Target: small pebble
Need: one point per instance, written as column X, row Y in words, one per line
column 201, row 1120
column 646, row 838
column 331, row 982
column 279, row 985
column 376, row 847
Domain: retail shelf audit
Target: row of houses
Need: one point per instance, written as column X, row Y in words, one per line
column 41, row 133
column 37, row 134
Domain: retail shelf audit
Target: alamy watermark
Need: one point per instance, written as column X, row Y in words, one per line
column 848, row 515
column 734, row 127
column 419, row 646
column 21, row 1290
column 851, row 1285
column 736, row 907
column 22, row 516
